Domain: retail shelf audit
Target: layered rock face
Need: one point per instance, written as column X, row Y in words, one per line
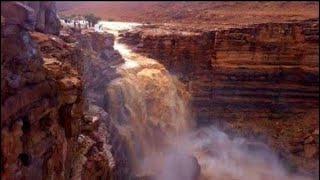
column 53, row 123
column 262, row 78
column 264, row 66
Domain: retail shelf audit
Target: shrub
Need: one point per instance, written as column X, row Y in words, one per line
column 92, row 19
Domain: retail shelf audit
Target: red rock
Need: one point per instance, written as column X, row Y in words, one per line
column 296, row 149
column 23, row 98
column 309, row 140
column 69, row 83
column 231, row 67
column 46, row 17
column 255, row 73
column 53, row 67
column 310, row 151
column 295, row 141
column 43, row 78
column 16, row 13
column 68, row 97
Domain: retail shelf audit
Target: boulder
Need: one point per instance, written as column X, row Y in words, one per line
column 310, row 151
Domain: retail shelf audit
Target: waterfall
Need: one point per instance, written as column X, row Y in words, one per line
column 150, row 107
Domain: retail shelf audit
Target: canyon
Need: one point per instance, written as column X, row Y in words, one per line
column 259, row 76
column 272, row 66
column 156, row 100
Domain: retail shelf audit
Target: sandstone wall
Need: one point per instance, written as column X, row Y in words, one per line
column 259, row 81
column 269, row 67
column 53, row 125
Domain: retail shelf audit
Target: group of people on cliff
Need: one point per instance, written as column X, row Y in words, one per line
column 79, row 22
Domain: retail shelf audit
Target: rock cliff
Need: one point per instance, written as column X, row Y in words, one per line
column 46, row 16
column 52, row 124
column 260, row 76
column 259, row 66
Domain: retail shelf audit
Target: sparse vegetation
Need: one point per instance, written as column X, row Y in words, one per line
column 92, row 19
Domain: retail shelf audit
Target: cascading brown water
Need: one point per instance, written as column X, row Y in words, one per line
column 150, row 108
